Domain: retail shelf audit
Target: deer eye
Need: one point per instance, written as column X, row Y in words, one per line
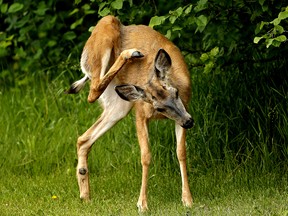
column 160, row 109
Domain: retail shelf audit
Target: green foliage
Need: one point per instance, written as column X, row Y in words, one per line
column 275, row 36
column 34, row 37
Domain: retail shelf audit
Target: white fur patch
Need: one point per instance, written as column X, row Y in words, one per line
column 104, row 62
column 83, row 63
column 78, row 85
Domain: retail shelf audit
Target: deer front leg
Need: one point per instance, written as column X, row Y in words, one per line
column 142, row 133
column 98, row 87
column 181, row 154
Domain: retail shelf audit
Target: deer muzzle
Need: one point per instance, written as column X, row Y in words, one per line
column 188, row 124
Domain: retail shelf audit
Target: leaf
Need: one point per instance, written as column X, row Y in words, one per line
column 276, row 21
column 10, row 38
column 208, row 67
column 283, row 15
column 38, row 54
column 176, row 28
column 262, row 24
column 41, row 10
column 188, row 9
column 102, row 5
column 51, row 43
column 73, row 12
column 20, row 53
column 257, row 30
column 117, row 4
column 4, row 44
column 156, row 20
column 179, row 11
column 15, row 7
column 279, row 29
column 130, row 3
column 281, row 38
column 75, row 24
column 257, row 39
column 265, row 8
column 269, row 42
column 201, row 5
column 23, row 21
column 91, row 28
column 4, row 8
column 90, row 12
column 201, row 22
column 261, row 2
column 276, row 43
column 214, row 51
column 104, row 12
column 70, row 35
column 172, row 19
column 86, row 7
column 168, row 34
column 204, row 57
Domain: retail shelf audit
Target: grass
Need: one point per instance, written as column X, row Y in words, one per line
column 39, row 126
column 116, row 194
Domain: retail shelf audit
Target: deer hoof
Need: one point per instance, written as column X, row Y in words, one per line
column 142, row 206
column 137, row 54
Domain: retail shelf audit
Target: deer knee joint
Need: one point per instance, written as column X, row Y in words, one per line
column 146, row 158
column 81, row 140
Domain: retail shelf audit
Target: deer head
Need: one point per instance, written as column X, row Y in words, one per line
column 159, row 92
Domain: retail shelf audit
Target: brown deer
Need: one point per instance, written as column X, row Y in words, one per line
column 134, row 66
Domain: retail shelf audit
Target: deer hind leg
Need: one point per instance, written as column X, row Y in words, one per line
column 97, row 86
column 181, row 154
column 109, row 117
column 142, row 133
column 98, row 74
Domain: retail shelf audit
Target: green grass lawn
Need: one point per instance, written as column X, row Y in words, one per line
column 116, row 193
column 39, row 127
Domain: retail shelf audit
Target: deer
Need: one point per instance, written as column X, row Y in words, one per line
column 136, row 67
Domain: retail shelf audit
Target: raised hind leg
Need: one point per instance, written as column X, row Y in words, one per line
column 98, row 86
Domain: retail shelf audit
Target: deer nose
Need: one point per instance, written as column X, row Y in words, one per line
column 188, row 124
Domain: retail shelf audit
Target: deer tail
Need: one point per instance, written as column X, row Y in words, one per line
column 78, row 85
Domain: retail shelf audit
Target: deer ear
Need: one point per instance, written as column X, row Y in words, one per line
column 162, row 64
column 130, row 92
